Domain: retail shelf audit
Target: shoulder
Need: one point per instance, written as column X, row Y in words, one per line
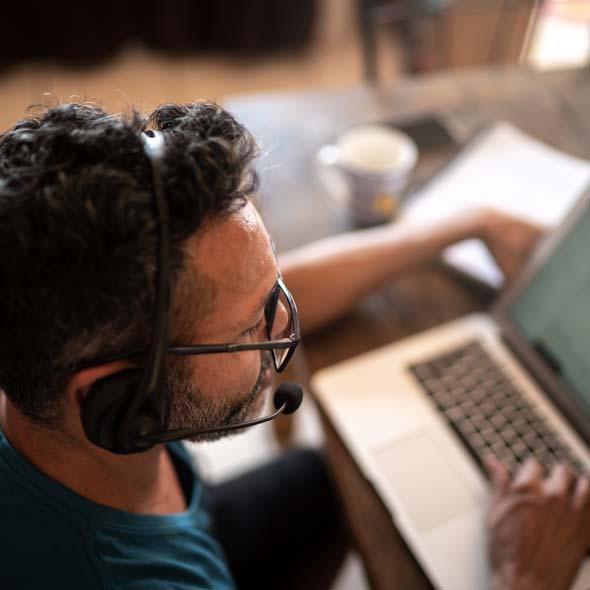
column 37, row 549
column 40, row 543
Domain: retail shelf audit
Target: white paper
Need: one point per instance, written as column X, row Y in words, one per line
column 509, row 170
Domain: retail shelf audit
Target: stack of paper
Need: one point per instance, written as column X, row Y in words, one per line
column 508, row 170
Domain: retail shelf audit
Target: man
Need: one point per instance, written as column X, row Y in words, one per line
column 78, row 245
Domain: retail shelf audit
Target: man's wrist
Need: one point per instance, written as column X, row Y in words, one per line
column 478, row 222
column 466, row 226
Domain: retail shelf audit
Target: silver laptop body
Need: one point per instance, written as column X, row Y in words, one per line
column 417, row 448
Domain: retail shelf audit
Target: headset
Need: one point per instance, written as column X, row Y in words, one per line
column 128, row 411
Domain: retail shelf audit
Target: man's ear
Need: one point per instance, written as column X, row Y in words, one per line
column 81, row 382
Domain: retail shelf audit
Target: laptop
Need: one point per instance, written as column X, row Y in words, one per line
column 419, row 415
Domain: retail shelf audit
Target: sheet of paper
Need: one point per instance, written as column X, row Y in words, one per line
column 509, row 170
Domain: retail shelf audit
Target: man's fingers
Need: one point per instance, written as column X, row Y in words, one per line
column 499, row 475
column 581, row 500
column 559, row 483
column 529, row 477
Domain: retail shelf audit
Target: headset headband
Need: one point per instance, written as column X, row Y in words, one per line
column 151, row 390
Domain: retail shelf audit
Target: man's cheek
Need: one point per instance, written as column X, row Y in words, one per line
column 251, row 373
column 230, row 373
column 241, row 376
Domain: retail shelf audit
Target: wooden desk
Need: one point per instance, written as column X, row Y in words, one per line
column 555, row 107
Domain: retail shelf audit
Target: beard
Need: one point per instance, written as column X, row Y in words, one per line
column 190, row 409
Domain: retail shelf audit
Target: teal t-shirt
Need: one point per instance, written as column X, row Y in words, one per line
column 51, row 537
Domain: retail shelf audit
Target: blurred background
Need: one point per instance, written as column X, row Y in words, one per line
column 146, row 53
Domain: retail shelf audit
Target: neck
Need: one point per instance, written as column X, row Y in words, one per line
column 143, row 483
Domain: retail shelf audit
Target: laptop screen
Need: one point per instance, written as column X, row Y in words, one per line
column 553, row 312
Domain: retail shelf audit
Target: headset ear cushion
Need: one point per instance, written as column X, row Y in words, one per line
column 103, row 410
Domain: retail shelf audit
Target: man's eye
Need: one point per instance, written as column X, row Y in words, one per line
column 254, row 329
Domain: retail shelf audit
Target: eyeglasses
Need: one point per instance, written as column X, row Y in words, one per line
column 281, row 344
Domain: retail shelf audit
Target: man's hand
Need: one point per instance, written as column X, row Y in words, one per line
column 510, row 240
column 539, row 528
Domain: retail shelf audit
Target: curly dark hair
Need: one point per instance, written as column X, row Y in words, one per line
column 78, row 233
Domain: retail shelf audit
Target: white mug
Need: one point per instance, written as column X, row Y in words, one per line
column 367, row 169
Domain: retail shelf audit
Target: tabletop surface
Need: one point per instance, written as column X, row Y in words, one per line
column 292, row 126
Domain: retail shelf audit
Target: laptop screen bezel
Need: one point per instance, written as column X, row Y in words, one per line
column 557, row 389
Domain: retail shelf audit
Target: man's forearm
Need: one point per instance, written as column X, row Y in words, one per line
column 329, row 277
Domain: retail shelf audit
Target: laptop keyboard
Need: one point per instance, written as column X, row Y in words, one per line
column 488, row 411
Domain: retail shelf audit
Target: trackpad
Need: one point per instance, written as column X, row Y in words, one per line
column 426, row 480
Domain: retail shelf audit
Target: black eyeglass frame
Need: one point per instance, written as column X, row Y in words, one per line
column 290, row 343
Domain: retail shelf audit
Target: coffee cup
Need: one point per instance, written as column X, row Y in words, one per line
column 367, row 169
